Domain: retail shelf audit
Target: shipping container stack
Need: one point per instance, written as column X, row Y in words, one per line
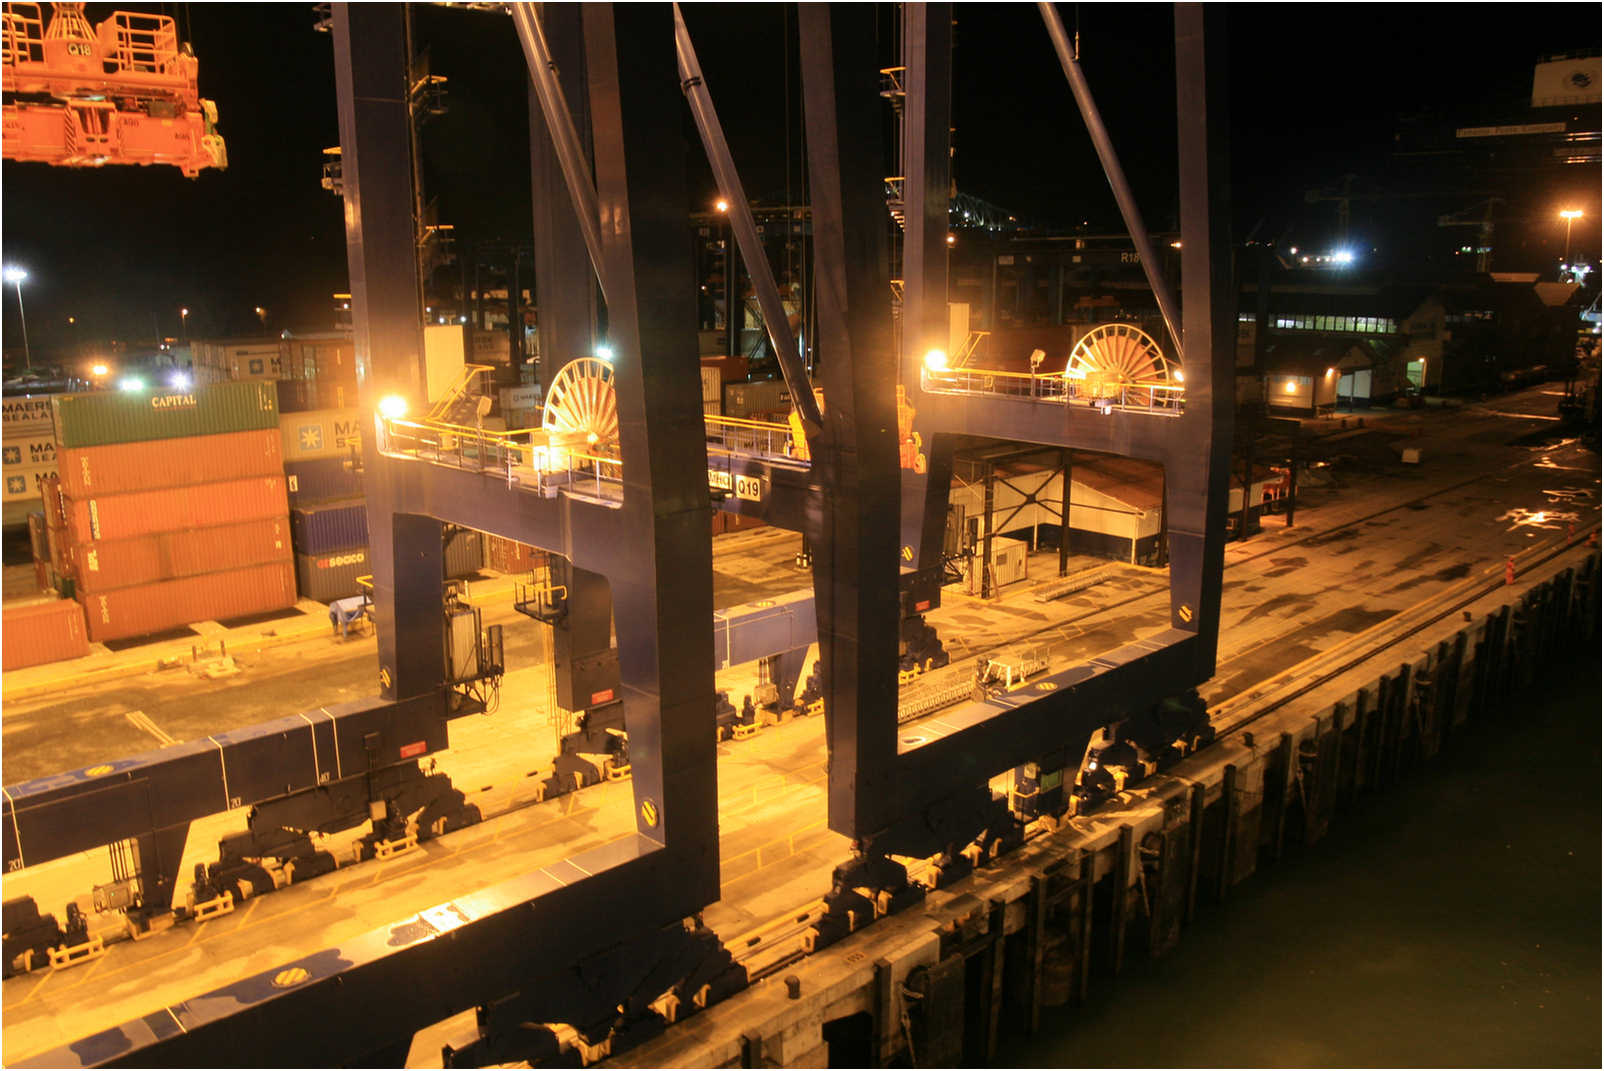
column 317, row 372
column 171, row 508
column 329, row 516
column 29, row 454
column 330, row 537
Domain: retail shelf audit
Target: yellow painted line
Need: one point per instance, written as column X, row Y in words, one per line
column 40, row 984
column 141, row 721
column 199, row 934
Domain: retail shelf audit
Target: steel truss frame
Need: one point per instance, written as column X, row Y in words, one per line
column 653, row 547
column 526, row 934
column 879, row 787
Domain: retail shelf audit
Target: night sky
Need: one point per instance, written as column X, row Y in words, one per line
column 1317, row 91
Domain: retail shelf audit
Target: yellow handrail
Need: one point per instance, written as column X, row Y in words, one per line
column 743, row 422
column 1001, row 374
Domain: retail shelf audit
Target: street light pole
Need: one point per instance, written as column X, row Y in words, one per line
column 1570, row 216
column 17, row 275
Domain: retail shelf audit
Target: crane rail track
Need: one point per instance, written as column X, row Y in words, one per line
column 786, row 937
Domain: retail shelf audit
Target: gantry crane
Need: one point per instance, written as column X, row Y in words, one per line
column 121, row 92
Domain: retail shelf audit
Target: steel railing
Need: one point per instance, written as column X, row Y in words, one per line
column 1159, row 398
column 758, row 438
column 521, row 457
column 511, row 455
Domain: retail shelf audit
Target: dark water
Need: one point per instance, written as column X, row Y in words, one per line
column 1451, row 921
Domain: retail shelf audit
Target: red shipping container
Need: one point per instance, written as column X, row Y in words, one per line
column 147, row 608
column 87, row 471
column 120, row 563
column 174, row 508
column 42, row 632
column 511, row 556
column 55, row 509
column 59, row 542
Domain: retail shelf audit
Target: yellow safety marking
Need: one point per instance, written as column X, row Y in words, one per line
column 291, row 976
column 98, row 771
column 198, row 934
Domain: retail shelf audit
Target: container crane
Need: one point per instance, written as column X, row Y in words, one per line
column 121, row 92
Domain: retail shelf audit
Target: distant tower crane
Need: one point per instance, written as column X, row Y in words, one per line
column 1347, row 192
column 1484, row 232
column 121, row 92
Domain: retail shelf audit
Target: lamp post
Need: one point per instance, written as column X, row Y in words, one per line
column 732, row 326
column 261, row 314
column 16, row 275
column 183, row 315
column 1570, row 216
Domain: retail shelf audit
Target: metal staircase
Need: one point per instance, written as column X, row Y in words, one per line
column 460, row 405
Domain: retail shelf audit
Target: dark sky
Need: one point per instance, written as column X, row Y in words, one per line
column 1316, row 91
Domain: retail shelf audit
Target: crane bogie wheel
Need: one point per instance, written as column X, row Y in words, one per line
column 581, row 403
column 1112, row 360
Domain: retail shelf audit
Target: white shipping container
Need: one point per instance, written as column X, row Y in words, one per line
column 322, row 433
column 30, row 453
column 712, row 387
column 763, row 396
column 443, row 358
column 23, row 483
column 520, row 397
column 27, row 415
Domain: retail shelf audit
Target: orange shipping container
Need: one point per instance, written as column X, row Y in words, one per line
column 174, row 508
column 139, row 611
column 87, row 471
column 120, row 563
column 42, row 632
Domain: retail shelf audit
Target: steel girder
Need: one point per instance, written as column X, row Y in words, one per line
column 654, row 548
column 508, row 937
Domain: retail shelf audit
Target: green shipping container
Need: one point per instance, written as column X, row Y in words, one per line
column 103, row 418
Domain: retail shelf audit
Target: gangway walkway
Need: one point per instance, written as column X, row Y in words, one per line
column 1160, row 399
column 528, row 459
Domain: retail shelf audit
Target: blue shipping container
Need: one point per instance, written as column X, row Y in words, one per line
column 325, row 529
column 322, row 480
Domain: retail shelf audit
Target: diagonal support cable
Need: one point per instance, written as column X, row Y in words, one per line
column 745, row 228
column 560, row 121
column 1111, row 168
